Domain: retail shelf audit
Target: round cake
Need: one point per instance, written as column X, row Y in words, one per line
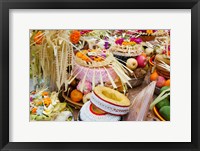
column 87, row 115
column 110, row 101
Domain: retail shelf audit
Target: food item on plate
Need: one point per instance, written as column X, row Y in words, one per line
column 131, row 63
column 165, row 112
column 76, row 95
column 164, row 102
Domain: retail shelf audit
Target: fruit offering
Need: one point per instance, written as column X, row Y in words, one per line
column 161, row 104
column 99, row 75
column 76, row 95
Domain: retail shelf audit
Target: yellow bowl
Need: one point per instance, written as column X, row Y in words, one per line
column 158, row 114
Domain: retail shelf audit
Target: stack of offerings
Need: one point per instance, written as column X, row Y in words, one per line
column 98, row 67
column 106, row 105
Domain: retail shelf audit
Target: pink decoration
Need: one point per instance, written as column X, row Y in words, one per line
column 87, row 88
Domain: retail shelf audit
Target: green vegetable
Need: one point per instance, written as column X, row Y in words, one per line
column 161, row 96
column 164, row 88
column 165, row 112
column 164, row 102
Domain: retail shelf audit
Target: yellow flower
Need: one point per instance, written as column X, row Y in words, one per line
column 125, row 43
column 132, row 43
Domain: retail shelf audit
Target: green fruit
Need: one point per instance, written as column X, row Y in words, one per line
column 164, row 88
column 164, row 102
column 165, row 112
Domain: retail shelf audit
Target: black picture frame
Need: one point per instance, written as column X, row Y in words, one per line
column 5, row 5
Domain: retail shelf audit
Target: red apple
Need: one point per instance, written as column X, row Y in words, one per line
column 160, row 81
column 142, row 61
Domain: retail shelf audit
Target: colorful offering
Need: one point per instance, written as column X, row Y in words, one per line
column 100, row 75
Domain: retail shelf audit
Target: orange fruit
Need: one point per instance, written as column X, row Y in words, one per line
column 167, row 82
column 76, row 95
column 154, row 76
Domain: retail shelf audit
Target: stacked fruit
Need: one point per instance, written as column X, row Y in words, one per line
column 139, row 67
column 160, row 80
column 161, row 73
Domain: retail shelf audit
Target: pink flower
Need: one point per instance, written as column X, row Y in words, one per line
column 137, row 40
column 119, row 41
